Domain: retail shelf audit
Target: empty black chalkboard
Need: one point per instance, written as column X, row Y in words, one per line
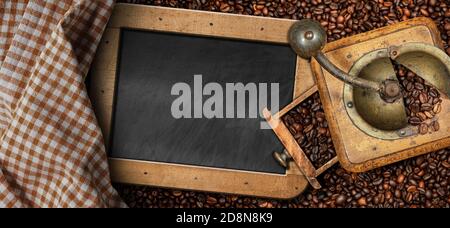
column 151, row 63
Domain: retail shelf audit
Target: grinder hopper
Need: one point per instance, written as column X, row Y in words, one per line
column 362, row 97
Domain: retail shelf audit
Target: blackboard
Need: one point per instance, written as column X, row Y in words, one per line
column 150, row 63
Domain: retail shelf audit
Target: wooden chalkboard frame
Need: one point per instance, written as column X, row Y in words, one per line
column 102, row 86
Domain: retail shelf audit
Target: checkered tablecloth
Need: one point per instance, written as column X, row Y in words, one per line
column 51, row 148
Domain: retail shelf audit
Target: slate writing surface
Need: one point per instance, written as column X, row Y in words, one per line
column 150, row 63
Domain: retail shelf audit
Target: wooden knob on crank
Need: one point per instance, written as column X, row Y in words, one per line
column 307, row 38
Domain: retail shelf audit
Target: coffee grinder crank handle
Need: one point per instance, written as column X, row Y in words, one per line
column 307, row 38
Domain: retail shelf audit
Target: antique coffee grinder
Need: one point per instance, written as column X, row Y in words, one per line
column 363, row 98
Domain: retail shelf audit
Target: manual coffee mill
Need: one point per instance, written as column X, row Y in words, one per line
column 362, row 97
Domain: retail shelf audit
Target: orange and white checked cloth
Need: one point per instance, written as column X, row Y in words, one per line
column 51, row 148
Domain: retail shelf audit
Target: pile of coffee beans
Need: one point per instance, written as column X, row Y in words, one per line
column 308, row 125
column 417, row 182
column 422, row 100
column 148, row 197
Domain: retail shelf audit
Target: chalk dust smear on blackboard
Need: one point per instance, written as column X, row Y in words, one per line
column 151, row 63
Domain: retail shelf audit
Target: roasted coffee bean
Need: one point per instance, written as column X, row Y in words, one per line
column 426, row 107
column 308, row 128
column 433, row 93
column 292, row 130
column 362, row 201
column 423, row 129
column 378, row 181
column 177, row 193
column 297, row 127
column 211, row 200
column 348, row 18
column 447, row 26
column 423, row 98
column 415, row 108
column 435, row 125
column 400, row 178
column 414, row 120
column 341, row 199
column 429, row 115
column 410, row 86
column 436, row 101
column 422, row 116
column 437, row 108
column 323, row 131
